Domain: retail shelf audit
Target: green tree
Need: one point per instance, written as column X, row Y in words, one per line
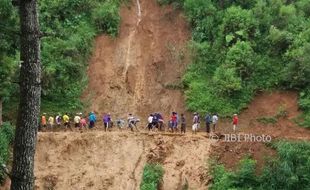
column 30, row 98
column 242, row 56
column 225, row 80
column 8, row 36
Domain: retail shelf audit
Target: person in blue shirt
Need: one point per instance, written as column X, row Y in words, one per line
column 92, row 120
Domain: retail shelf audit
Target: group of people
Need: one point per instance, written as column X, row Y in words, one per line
column 212, row 120
column 155, row 121
column 81, row 121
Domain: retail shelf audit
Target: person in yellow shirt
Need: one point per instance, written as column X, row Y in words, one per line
column 51, row 122
column 66, row 120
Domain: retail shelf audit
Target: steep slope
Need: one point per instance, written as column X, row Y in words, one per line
column 131, row 72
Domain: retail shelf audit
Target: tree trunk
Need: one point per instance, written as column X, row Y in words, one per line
column 30, row 92
column 1, row 111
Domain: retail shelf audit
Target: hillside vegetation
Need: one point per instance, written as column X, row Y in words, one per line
column 68, row 28
column 241, row 47
column 289, row 170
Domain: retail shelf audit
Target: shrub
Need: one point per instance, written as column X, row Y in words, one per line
column 106, row 18
column 288, row 171
column 241, row 47
column 6, row 138
column 152, row 177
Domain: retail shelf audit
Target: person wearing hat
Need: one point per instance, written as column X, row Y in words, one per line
column 235, row 122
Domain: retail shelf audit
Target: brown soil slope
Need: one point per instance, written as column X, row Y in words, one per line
column 98, row 160
column 131, row 72
column 268, row 105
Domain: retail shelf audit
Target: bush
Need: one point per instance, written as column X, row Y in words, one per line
column 6, row 138
column 106, row 18
column 288, row 171
column 152, row 177
column 241, row 47
column 243, row 178
column 72, row 26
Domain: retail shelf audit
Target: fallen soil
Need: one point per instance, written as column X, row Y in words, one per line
column 268, row 105
column 230, row 153
column 137, row 71
column 115, row 160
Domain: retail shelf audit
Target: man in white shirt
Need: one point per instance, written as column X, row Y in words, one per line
column 214, row 121
column 77, row 120
column 150, row 122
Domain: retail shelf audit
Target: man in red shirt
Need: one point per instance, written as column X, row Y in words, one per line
column 235, row 122
column 174, row 121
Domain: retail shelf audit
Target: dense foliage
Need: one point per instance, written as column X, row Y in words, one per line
column 241, row 47
column 68, row 28
column 71, row 26
column 289, row 171
column 152, row 176
column 8, row 50
column 6, row 138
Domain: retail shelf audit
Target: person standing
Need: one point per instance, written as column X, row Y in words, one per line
column 173, row 121
column 183, row 124
column 177, row 121
column 58, row 120
column 208, row 120
column 83, row 123
column 214, row 121
column 160, row 121
column 50, row 122
column 195, row 123
column 132, row 122
column 66, row 120
column 92, row 120
column 235, row 122
column 106, row 121
column 77, row 120
column 43, row 120
column 198, row 122
column 150, row 122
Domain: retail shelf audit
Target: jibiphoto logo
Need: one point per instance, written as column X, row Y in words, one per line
column 247, row 138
